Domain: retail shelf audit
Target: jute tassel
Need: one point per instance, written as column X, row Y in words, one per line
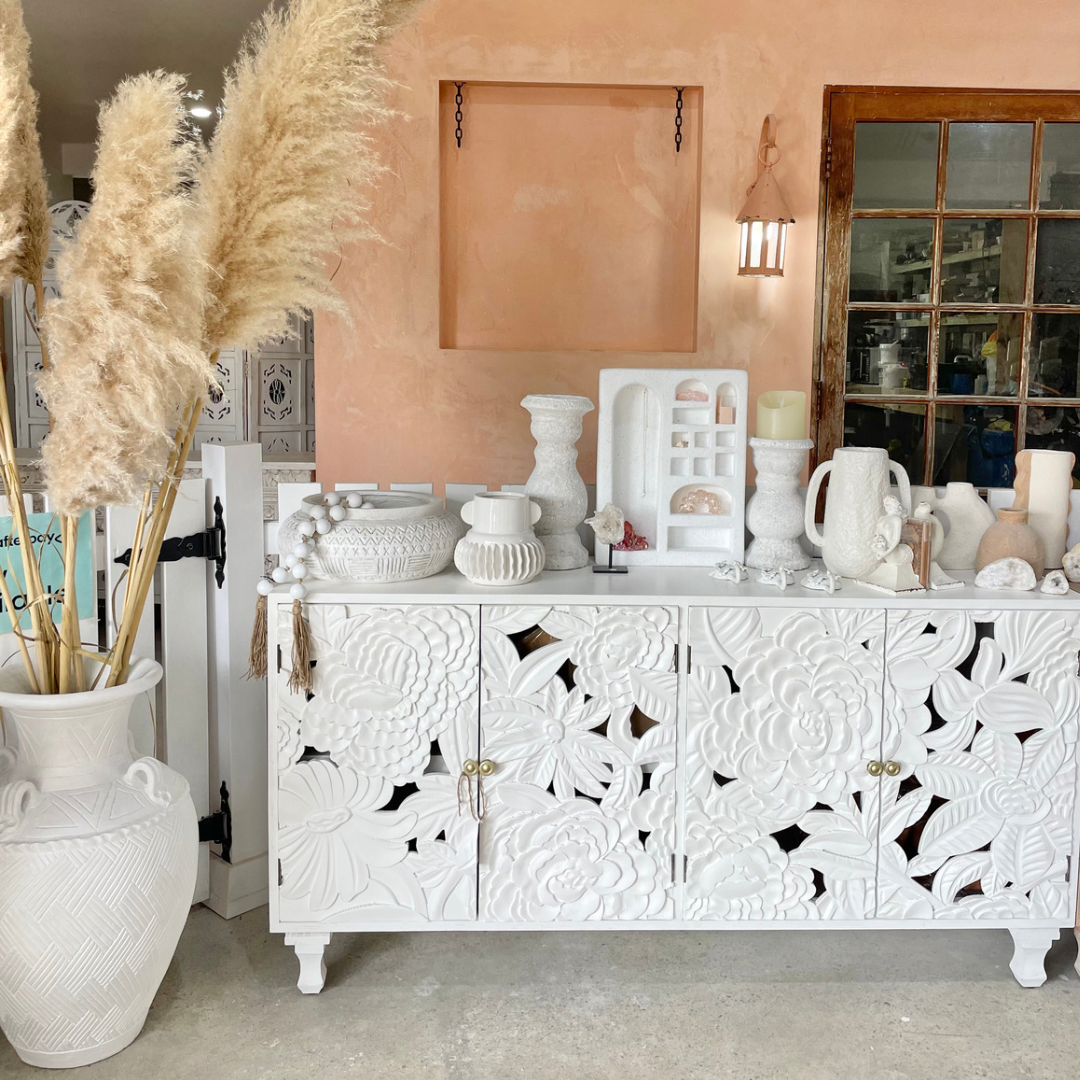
column 257, row 651
column 300, row 676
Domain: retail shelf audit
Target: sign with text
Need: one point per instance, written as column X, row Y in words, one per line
column 45, row 534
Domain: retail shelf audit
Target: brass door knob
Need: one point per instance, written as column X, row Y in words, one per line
column 486, row 767
column 875, row 768
column 892, row 768
column 469, row 767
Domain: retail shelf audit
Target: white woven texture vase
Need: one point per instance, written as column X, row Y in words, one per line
column 98, row 856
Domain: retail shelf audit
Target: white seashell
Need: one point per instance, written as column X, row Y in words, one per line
column 354, row 500
column 607, row 524
column 1008, row 573
column 280, row 574
column 264, row 586
column 1071, row 563
column 318, row 513
column 337, row 513
column 298, row 591
column 306, row 528
column 1055, row 584
column 332, row 498
column 324, row 526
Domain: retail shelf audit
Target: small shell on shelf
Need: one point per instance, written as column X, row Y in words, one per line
column 729, row 571
column 822, row 580
column 781, row 577
column 608, row 524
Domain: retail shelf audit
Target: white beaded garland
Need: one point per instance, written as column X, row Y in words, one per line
column 332, row 498
column 280, row 574
column 337, row 513
column 354, row 500
column 289, row 561
column 302, row 551
column 299, row 571
column 321, row 521
column 307, row 528
column 264, row 587
column 318, row 513
column 298, row 591
column 323, row 527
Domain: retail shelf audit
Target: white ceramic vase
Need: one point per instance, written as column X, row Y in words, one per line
column 1043, row 486
column 555, row 484
column 774, row 514
column 501, row 548
column 98, row 855
column 395, row 536
column 858, row 484
column 965, row 517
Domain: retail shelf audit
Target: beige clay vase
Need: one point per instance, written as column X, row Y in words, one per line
column 1012, row 537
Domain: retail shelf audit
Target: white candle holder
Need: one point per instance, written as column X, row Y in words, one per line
column 774, row 514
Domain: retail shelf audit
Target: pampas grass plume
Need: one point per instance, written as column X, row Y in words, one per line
column 126, row 333
column 24, row 203
column 285, row 182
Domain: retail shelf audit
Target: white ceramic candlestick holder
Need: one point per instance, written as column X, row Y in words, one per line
column 774, row 514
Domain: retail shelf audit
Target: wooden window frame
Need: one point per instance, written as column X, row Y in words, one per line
column 844, row 106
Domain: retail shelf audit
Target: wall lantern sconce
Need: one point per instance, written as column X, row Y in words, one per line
column 765, row 216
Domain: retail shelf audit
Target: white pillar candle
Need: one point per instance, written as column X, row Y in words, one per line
column 781, row 414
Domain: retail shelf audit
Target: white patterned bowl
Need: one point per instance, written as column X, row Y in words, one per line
column 402, row 536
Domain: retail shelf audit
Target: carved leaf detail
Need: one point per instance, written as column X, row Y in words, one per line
column 957, row 827
column 655, row 693
column 954, row 775
column 538, row 668
column 959, row 872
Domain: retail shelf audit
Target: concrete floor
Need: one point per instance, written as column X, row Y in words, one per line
column 603, row 1006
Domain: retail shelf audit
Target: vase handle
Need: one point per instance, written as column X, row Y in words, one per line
column 810, row 510
column 535, row 513
column 904, row 484
column 467, row 513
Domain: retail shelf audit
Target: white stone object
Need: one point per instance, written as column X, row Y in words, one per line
column 555, row 484
column 547, row 704
column 776, row 511
column 1055, row 584
column 98, row 857
column 729, row 570
column 1071, row 563
column 822, row 580
column 662, row 435
column 607, row 524
column 1007, row 573
column 858, row 485
column 781, row 577
column 401, row 536
column 965, row 517
column 1043, row 484
column 501, row 548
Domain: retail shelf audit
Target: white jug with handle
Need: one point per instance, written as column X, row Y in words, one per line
column 853, row 505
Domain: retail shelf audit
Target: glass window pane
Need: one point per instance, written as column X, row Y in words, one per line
column 979, row 353
column 895, row 166
column 1057, row 262
column 901, row 429
column 989, row 166
column 976, row 443
column 982, row 261
column 1051, row 427
column 1059, row 185
column 890, row 260
column 1055, row 355
column 887, row 352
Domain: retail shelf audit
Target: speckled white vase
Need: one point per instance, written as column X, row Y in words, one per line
column 501, row 547
column 555, row 484
column 774, row 514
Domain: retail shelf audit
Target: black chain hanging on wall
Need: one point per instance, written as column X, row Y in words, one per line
column 458, row 115
column 678, row 118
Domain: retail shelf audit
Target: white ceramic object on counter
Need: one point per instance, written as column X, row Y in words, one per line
column 775, row 512
column 858, row 486
column 555, row 484
column 390, row 536
column 965, row 517
column 1043, row 485
column 501, row 548
column 98, row 856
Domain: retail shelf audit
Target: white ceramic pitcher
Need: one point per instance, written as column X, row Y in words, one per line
column 853, row 505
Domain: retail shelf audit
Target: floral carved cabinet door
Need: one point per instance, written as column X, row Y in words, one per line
column 368, row 820
column 784, row 716
column 578, row 723
column 978, row 822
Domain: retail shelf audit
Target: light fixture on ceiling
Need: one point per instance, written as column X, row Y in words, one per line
column 765, row 216
column 201, row 112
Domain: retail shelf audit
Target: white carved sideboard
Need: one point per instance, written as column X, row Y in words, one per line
column 665, row 751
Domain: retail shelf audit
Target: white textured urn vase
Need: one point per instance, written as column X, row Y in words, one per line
column 555, row 484
column 98, row 855
column 501, row 548
column 774, row 514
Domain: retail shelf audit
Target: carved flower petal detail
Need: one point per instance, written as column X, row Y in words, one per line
column 331, row 832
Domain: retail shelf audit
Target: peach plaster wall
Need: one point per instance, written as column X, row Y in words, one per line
column 392, row 406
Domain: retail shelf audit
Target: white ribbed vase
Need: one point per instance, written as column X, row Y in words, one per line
column 98, row 855
column 501, row 547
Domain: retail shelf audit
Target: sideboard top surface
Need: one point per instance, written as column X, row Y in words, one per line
column 668, row 584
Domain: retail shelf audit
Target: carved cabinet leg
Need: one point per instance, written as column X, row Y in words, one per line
column 309, row 951
column 1029, row 952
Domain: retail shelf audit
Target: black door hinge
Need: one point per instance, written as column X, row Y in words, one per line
column 209, row 545
column 217, row 828
column 828, row 158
